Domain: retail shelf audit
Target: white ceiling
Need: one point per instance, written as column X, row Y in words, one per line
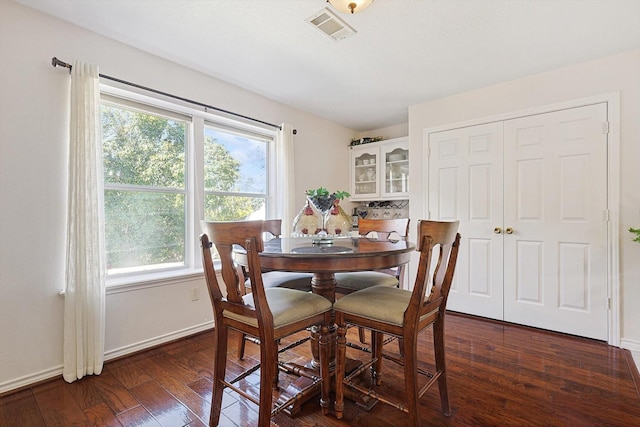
column 405, row 52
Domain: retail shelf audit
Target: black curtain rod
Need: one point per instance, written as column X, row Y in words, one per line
column 56, row 62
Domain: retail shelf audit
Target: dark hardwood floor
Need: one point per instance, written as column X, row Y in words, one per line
column 499, row 375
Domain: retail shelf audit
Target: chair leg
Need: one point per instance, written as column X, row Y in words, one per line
column 276, row 373
column 241, row 344
column 361, row 335
column 325, row 385
column 377, row 342
column 219, row 371
column 268, row 362
column 341, row 356
column 410, row 355
column 438, row 345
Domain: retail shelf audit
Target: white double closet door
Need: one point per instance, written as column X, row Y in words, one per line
column 531, row 197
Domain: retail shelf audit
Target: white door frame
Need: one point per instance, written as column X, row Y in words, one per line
column 613, row 186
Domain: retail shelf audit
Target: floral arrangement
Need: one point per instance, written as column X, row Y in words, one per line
column 323, row 199
column 635, row 231
column 328, row 203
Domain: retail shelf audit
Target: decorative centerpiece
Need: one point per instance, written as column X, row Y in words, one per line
column 338, row 222
column 324, row 202
column 307, row 222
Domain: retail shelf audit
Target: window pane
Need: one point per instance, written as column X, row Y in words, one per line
column 234, row 163
column 233, row 208
column 144, row 229
column 142, row 149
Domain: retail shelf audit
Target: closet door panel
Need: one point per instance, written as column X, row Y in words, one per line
column 555, row 260
column 465, row 183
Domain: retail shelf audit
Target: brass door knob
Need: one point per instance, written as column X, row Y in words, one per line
column 509, row 230
column 497, row 230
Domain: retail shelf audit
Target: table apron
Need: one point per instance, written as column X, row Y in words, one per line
column 332, row 264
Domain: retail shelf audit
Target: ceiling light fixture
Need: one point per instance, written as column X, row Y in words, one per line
column 350, row 6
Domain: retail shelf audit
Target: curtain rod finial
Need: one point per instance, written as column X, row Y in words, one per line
column 55, row 62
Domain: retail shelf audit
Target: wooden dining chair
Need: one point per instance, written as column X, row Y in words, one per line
column 267, row 314
column 403, row 313
column 347, row 283
column 272, row 228
column 282, row 279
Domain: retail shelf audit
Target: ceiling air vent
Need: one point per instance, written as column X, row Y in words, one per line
column 330, row 25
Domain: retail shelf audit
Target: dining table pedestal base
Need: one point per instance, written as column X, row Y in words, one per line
column 322, row 284
column 304, row 388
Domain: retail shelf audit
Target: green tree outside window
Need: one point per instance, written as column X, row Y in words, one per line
column 145, row 171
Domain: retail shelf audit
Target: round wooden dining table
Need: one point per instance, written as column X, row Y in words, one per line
column 343, row 254
column 324, row 259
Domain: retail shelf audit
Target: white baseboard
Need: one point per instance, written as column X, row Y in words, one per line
column 143, row 345
column 634, row 348
column 54, row 372
column 27, row 380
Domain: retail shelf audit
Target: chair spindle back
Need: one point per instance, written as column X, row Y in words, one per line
column 226, row 236
column 444, row 238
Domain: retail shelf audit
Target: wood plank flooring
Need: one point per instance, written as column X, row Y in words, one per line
column 499, row 375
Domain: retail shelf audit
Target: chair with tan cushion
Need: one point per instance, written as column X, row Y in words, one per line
column 403, row 314
column 267, row 314
column 357, row 280
column 347, row 283
column 272, row 229
column 283, row 279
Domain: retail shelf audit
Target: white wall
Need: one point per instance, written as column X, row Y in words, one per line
column 33, row 133
column 619, row 73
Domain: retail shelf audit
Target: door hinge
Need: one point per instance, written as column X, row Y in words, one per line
column 605, row 128
column 606, row 215
column 609, row 303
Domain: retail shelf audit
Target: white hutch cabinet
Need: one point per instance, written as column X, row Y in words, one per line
column 380, row 170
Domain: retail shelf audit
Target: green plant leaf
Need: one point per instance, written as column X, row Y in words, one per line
column 340, row 195
column 323, row 192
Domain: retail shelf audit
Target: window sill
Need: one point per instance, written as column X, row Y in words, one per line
column 128, row 283
column 136, row 282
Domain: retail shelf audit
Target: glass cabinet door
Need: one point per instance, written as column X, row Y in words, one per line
column 365, row 172
column 396, row 171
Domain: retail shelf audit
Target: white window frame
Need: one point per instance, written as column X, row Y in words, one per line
column 194, row 187
column 269, row 139
column 139, row 107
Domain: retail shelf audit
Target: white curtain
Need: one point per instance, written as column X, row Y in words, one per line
column 285, row 199
column 84, row 304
